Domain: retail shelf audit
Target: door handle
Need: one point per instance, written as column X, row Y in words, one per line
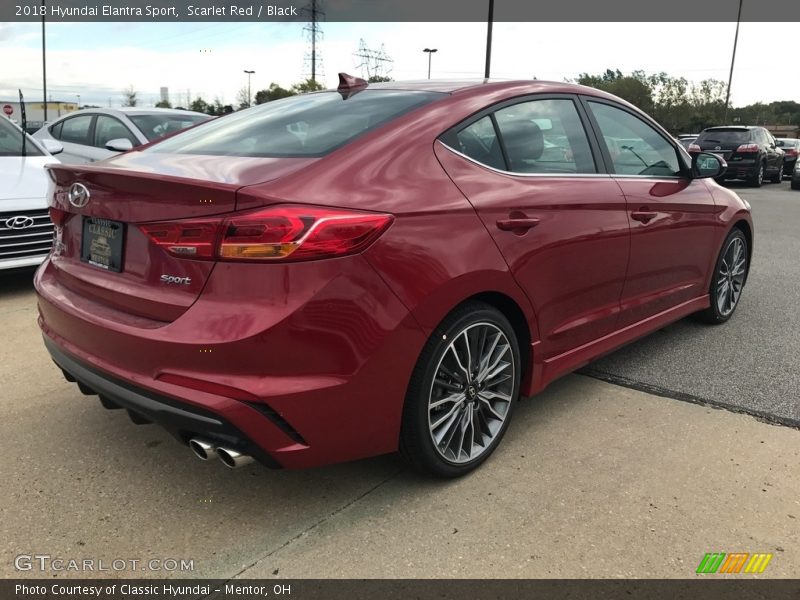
column 643, row 215
column 519, row 224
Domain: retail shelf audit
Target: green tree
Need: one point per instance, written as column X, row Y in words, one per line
column 379, row 79
column 309, row 85
column 199, row 105
column 274, row 92
column 163, row 104
column 129, row 96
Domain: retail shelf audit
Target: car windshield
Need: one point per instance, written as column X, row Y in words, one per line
column 725, row 136
column 300, row 126
column 154, row 126
column 11, row 141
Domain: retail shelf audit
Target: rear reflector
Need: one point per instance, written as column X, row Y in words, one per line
column 286, row 232
column 59, row 217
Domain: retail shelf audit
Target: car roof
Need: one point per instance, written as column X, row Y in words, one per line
column 129, row 111
column 453, row 86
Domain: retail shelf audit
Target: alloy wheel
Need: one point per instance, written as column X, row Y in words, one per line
column 471, row 393
column 730, row 278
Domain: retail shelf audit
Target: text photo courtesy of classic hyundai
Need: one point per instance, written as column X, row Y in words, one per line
column 380, row 268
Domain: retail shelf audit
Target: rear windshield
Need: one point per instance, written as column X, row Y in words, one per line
column 300, row 126
column 725, row 135
column 11, row 141
column 788, row 143
column 156, row 126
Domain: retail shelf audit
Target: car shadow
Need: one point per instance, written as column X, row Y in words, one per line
column 16, row 282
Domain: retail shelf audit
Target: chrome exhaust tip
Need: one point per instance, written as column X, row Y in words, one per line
column 233, row 459
column 203, row 449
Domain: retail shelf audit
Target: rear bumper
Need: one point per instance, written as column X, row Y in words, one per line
column 297, row 372
column 180, row 420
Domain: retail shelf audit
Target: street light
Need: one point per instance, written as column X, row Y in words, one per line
column 733, row 60
column 249, row 96
column 430, row 51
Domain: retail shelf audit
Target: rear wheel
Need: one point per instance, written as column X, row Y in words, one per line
column 757, row 179
column 462, row 392
column 796, row 184
column 778, row 177
column 728, row 280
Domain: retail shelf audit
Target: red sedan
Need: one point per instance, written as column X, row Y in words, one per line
column 348, row 273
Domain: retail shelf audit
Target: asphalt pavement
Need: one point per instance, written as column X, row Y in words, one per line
column 752, row 363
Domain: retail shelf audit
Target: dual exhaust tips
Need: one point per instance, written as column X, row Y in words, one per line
column 205, row 450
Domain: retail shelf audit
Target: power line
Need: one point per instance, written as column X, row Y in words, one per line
column 374, row 63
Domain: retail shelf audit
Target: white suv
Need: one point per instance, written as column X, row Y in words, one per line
column 26, row 232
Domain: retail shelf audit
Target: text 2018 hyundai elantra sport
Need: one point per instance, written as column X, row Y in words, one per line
column 348, row 273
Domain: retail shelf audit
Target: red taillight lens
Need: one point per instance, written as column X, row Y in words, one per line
column 59, row 217
column 187, row 239
column 791, row 152
column 275, row 233
column 694, row 148
column 747, row 148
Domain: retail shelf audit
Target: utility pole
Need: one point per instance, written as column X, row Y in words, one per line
column 733, row 60
column 489, row 22
column 374, row 63
column 313, row 34
column 44, row 64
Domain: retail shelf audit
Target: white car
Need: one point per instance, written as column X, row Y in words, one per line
column 92, row 134
column 26, row 232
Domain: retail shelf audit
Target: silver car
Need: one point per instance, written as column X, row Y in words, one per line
column 93, row 134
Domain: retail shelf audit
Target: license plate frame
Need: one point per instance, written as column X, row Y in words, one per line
column 102, row 243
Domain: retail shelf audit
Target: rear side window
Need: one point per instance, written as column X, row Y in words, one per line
column 479, row 142
column 545, row 136
column 307, row 125
column 635, row 147
column 76, row 130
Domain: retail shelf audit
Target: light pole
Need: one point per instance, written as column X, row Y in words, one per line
column 733, row 59
column 44, row 65
column 489, row 22
column 430, row 51
column 79, row 100
column 249, row 96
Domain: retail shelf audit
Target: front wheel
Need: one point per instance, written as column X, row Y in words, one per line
column 462, row 392
column 729, row 278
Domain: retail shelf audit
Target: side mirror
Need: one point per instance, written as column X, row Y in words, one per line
column 119, row 145
column 52, row 146
column 705, row 164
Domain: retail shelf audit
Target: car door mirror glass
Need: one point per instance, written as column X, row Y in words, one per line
column 705, row 164
column 119, row 145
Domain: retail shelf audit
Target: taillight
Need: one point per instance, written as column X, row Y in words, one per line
column 275, row 233
column 694, row 148
column 746, row 148
column 791, row 152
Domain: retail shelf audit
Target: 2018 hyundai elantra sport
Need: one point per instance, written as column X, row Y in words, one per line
column 378, row 268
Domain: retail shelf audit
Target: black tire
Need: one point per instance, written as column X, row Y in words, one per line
column 757, row 179
column 778, row 177
column 715, row 314
column 795, row 184
column 417, row 443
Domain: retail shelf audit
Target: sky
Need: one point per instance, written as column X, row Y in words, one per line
column 99, row 60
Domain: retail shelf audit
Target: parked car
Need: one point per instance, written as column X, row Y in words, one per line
column 393, row 278
column 796, row 176
column 26, row 232
column 791, row 149
column 95, row 134
column 751, row 152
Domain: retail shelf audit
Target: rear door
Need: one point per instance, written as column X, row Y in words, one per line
column 672, row 216
column 529, row 170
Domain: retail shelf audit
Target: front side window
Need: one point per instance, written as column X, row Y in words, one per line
column 306, row 125
column 635, row 147
column 108, row 128
column 11, row 141
column 545, row 136
column 76, row 130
